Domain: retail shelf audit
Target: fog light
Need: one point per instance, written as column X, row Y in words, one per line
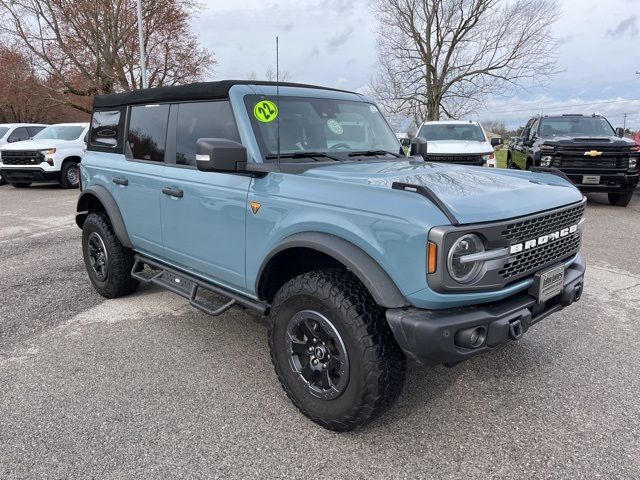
column 546, row 161
column 473, row 337
column 633, row 163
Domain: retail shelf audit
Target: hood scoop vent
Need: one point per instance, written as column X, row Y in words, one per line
column 430, row 195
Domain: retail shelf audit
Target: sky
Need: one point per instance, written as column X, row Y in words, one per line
column 333, row 43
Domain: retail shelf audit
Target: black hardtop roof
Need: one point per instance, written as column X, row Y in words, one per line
column 192, row 91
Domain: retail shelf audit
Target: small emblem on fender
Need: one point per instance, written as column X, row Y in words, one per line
column 255, row 206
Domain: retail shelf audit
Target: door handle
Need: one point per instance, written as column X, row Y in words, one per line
column 173, row 192
column 121, row 181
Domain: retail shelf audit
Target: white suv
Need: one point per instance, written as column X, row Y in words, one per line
column 53, row 154
column 457, row 141
column 17, row 132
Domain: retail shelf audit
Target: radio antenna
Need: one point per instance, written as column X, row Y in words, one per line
column 278, row 99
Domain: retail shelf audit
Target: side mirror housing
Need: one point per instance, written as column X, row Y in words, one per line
column 620, row 132
column 496, row 141
column 418, row 147
column 405, row 142
column 220, row 155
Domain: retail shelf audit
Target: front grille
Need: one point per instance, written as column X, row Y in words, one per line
column 460, row 159
column 542, row 225
column 532, row 260
column 528, row 261
column 22, row 158
column 573, row 157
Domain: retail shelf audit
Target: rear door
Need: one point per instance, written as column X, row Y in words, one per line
column 136, row 176
column 203, row 213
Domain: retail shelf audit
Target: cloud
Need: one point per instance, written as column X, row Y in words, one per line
column 336, row 42
column 627, row 27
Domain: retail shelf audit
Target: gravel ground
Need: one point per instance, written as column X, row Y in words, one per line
column 146, row 387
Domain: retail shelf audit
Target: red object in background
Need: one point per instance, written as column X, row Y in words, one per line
column 637, row 138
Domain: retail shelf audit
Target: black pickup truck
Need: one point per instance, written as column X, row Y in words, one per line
column 586, row 148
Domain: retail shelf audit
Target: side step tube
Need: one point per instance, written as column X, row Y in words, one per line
column 187, row 286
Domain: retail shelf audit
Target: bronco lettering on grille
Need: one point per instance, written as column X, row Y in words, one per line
column 529, row 244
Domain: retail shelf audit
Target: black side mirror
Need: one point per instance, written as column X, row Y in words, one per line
column 220, row 155
column 405, row 142
column 620, row 132
column 496, row 141
column 418, row 147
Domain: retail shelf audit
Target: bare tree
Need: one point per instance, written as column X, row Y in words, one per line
column 495, row 126
column 270, row 75
column 444, row 57
column 90, row 47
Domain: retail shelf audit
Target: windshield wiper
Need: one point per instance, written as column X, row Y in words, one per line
column 274, row 156
column 372, row 153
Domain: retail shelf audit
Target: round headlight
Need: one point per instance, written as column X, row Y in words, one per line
column 465, row 272
column 546, row 160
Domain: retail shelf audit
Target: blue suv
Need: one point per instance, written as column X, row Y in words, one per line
column 297, row 202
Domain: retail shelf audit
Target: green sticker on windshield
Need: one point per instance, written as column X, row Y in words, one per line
column 265, row 111
column 335, row 126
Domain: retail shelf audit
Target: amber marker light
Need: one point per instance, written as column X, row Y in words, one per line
column 432, row 257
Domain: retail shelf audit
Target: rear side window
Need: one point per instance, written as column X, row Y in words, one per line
column 202, row 120
column 34, row 130
column 147, row 135
column 104, row 129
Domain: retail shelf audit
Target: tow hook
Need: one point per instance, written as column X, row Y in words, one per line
column 515, row 329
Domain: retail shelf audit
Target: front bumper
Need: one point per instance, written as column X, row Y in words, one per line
column 26, row 175
column 429, row 336
column 609, row 182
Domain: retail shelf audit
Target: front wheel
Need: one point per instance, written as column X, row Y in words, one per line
column 107, row 261
column 620, row 199
column 333, row 351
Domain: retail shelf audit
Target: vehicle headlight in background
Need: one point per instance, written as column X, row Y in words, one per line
column 489, row 160
column 465, row 270
column 633, row 163
column 546, row 160
column 48, row 151
column 48, row 155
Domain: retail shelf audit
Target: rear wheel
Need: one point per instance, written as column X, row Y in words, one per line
column 620, row 199
column 333, row 351
column 107, row 261
column 70, row 175
column 21, row 185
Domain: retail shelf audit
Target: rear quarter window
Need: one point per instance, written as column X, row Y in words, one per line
column 106, row 130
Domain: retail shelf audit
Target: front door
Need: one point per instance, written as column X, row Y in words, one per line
column 203, row 213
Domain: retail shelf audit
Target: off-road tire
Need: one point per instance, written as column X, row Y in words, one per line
column 120, row 259
column 65, row 182
column 377, row 365
column 21, row 185
column 620, row 199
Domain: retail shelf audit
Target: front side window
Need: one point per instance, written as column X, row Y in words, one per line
column 147, row 135
column 326, row 125
column 19, row 134
column 575, row 127
column 60, row 132
column 452, row 131
column 104, row 129
column 202, row 120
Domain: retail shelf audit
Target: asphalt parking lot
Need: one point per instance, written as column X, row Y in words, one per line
column 146, row 387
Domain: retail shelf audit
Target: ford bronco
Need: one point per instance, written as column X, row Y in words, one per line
column 586, row 148
column 295, row 202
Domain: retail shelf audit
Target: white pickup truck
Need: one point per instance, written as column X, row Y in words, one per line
column 53, row 154
column 17, row 132
column 457, row 141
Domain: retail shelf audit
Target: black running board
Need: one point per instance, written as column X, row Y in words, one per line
column 187, row 286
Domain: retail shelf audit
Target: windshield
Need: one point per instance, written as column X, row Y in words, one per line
column 450, row 131
column 3, row 131
column 60, row 132
column 319, row 125
column 575, row 127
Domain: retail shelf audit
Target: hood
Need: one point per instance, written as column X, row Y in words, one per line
column 473, row 194
column 39, row 144
column 595, row 142
column 461, row 147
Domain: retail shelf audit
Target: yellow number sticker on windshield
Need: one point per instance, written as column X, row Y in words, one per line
column 265, row 111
